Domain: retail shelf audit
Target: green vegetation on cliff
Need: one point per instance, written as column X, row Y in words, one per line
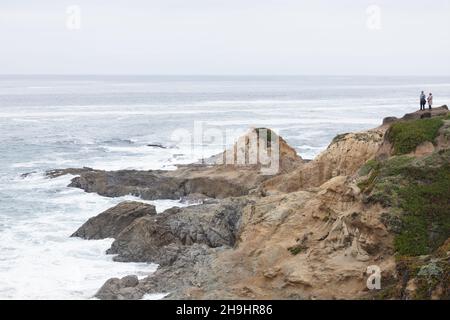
column 426, row 204
column 407, row 135
column 416, row 191
column 430, row 274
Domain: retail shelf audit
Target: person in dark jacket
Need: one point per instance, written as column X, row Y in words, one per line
column 423, row 101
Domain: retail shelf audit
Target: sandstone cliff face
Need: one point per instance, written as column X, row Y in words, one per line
column 305, row 244
column 309, row 232
column 344, row 156
column 263, row 147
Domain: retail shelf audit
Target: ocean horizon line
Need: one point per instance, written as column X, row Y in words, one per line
column 212, row 75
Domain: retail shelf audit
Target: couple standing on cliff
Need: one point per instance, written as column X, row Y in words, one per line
column 424, row 100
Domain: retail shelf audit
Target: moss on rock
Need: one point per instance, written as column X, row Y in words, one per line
column 295, row 250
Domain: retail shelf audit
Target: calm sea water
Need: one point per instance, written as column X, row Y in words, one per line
column 103, row 122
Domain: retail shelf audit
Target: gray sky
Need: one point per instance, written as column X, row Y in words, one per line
column 226, row 37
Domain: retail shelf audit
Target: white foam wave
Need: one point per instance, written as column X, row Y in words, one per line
column 154, row 296
column 39, row 259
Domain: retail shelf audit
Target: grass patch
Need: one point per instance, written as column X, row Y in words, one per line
column 295, row 250
column 368, row 167
column 417, row 193
column 426, row 206
column 406, row 136
column 384, row 180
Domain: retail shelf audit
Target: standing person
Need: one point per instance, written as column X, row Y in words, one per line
column 423, row 101
column 430, row 100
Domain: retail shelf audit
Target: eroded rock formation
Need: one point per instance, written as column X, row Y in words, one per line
column 309, row 232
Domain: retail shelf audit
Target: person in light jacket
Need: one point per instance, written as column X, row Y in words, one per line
column 430, row 100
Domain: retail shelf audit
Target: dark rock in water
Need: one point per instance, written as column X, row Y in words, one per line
column 120, row 289
column 156, row 145
column 110, row 223
column 61, row 172
column 27, row 174
column 389, row 120
column 117, row 142
column 129, row 281
column 160, row 238
column 184, row 241
column 149, row 185
column 157, row 184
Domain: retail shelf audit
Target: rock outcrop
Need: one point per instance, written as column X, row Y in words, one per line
column 375, row 198
column 229, row 174
column 257, row 148
column 110, row 223
column 160, row 238
column 345, row 154
column 120, row 289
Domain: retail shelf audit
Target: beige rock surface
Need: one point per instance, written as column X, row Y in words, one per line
column 337, row 239
column 344, row 156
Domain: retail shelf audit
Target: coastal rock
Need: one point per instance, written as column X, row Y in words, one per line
column 195, row 198
column 423, row 149
column 260, row 148
column 309, row 233
column 149, row 185
column 120, row 289
column 344, row 156
column 160, row 238
column 387, row 149
column 389, row 120
column 229, row 174
column 183, row 279
column 338, row 238
column 110, row 223
column 434, row 112
column 156, row 145
column 210, row 181
column 73, row 171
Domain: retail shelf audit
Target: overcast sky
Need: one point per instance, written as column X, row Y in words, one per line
column 407, row 37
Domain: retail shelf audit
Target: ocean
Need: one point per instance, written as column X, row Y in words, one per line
column 110, row 122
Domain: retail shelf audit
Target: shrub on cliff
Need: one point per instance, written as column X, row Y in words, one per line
column 407, row 135
column 417, row 193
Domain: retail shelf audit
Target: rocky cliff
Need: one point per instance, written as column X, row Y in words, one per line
column 375, row 198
